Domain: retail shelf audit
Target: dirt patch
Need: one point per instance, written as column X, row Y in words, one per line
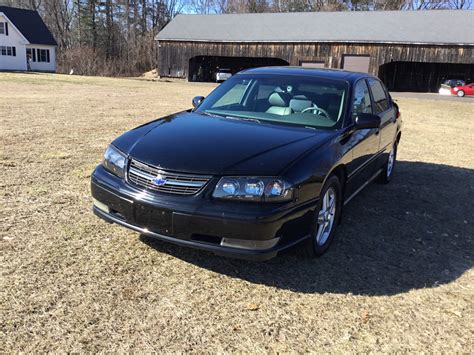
column 398, row 278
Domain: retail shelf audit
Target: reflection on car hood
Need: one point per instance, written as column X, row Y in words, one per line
column 194, row 143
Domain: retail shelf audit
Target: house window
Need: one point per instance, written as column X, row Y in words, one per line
column 3, row 28
column 42, row 55
column 7, row 50
column 31, row 53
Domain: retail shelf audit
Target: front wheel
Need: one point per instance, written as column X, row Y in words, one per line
column 325, row 217
column 460, row 93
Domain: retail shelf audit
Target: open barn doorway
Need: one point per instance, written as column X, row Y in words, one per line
column 204, row 68
column 422, row 77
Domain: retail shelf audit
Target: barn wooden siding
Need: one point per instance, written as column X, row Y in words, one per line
column 173, row 56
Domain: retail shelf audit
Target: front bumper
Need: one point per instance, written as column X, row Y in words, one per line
column 241, row 230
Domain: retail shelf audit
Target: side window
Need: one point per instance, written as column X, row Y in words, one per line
column 233, row 97
column 2, row 28
column 361, row 103
column 381, row 102
column 264, row 91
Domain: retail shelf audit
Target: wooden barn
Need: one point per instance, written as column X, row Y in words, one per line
column 408, row 50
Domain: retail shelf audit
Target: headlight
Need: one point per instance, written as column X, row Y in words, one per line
column 456, row 89
column 253, row 189
column 114, row 161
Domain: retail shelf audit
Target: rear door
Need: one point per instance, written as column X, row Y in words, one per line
column 364, row 142
column 383, row 106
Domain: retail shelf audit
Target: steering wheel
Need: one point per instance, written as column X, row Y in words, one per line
column 316, row 108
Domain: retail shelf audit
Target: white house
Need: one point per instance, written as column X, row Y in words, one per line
column 24, row 38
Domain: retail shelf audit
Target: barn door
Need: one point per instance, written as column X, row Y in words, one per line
column 313, row 64
column 359, row 63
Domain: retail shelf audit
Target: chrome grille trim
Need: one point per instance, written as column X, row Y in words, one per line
column 141, row 174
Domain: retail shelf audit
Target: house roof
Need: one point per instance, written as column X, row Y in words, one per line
column 30, row 24
column 427, row 27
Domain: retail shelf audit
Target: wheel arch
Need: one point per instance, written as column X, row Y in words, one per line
column 341, row 172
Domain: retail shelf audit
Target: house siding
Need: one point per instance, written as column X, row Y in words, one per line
column 44, row 66
column 19, row 62
column 14, row 39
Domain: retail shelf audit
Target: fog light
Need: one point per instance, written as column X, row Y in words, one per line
column 101, row 206
column 249, row 244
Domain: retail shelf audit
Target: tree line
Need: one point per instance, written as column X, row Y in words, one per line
column 116, row 37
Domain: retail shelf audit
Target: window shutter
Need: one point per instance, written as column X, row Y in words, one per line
column 14, row 51
column 47, row 55
column 6, row 28
column 34, row 54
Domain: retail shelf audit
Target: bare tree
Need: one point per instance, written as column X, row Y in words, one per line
column 116, row 37
column 460, row 4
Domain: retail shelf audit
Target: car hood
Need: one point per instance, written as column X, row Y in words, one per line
column 194, row 143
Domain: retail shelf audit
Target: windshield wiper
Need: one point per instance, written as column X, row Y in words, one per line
column 210, row 114
column 243, row 119
column 213, row 114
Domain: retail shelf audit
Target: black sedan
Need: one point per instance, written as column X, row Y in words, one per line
column 266, row 161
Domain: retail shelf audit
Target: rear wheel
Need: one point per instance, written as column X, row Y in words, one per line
column 387, row 173
column 326, row 217
column 460, row 93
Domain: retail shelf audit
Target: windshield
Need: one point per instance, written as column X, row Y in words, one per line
column 452, row 83
column 288, row 99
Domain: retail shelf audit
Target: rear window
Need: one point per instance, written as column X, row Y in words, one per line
column 381, row 102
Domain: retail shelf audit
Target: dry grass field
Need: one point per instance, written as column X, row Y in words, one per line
column 398, row 278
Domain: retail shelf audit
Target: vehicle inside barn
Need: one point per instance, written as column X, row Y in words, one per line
column 423, row 77
column 204, row 68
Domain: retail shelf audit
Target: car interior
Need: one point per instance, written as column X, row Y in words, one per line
column 291, row 101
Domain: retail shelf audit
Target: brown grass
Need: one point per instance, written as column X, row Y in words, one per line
column 399, row 277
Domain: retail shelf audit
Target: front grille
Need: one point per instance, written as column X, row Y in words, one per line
column 145, row 175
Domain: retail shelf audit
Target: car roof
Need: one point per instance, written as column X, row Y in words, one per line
column 310, row 72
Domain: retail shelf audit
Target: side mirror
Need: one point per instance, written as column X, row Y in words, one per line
column 197, row 101
column 367, row 121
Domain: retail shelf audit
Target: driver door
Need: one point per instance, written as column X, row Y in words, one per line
column 469, row 89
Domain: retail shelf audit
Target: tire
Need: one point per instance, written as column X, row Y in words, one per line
column 322, row 236
column 460, row 93
column 387, row 173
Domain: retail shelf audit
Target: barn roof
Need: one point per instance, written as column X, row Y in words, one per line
column 427, row 27
column 30, row 24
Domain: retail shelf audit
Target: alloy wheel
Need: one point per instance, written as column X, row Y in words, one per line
column 326, row 216
column 390, row 163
